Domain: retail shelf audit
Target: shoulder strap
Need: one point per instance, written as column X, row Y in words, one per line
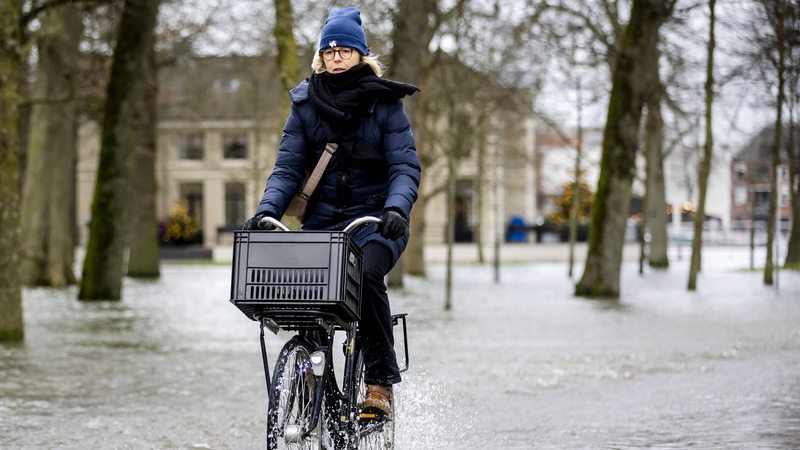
column 316, row 175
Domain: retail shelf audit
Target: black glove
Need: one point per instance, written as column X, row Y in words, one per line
column 255, row 223
column 392, row 225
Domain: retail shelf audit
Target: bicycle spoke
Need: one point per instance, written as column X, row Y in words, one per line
column 292, row 401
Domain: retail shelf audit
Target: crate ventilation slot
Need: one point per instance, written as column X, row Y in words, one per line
column 287, row 284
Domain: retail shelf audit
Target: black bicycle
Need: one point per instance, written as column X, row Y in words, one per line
column 310, row 282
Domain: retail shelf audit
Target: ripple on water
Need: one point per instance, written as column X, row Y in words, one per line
column 516, row 365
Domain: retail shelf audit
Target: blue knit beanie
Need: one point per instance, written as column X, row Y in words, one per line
column 343, row 29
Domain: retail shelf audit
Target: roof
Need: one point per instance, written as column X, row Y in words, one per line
column 759, row 148
column 230, row 87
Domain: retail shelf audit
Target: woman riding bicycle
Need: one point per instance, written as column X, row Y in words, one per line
column 375, row 171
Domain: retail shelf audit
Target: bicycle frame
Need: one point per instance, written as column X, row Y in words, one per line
column 321, row 341
column 324, row 400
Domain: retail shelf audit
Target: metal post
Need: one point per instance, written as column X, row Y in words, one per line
column 779, row 174
column 499, row 177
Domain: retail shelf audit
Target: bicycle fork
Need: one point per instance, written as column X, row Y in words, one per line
column 320, row 366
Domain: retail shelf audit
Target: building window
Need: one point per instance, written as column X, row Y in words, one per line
column 463, row 227
column 190, row 146
column 234, row 204
column 226, row 84
column 192, row 194
column 234, row 146
column 741, row 170
column 762, row 173
column 760, row 205
column 740, row 195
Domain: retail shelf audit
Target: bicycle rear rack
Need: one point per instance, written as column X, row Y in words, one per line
column 397, row 319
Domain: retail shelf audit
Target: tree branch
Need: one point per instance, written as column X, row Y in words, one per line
column 36, row 10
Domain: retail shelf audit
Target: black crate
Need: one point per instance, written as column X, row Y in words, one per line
column 293, row 277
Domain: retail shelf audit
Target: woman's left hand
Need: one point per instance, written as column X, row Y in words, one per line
column 392, row 225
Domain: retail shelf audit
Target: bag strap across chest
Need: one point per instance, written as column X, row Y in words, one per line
column 319, row 169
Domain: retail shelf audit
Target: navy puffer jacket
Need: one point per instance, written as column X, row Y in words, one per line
column 372, row 185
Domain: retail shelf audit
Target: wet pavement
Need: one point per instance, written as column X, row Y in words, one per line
column 519, row 364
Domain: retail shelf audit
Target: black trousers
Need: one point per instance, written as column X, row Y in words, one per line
column 376, row 318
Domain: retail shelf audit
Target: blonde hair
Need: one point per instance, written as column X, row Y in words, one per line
column 318, row 65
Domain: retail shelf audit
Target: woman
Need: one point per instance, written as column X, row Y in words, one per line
column 375, row 171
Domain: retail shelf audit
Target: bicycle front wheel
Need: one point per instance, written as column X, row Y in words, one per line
column 292, row 401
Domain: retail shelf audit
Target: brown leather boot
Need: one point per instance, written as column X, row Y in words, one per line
column 378, row 399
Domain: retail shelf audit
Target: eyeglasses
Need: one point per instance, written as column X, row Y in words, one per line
column 329, row 53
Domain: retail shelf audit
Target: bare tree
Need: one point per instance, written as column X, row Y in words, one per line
column 708, row 150
column 11, row 324
column 103, row 265
column 655, row 223
column 620, row 143
column 469, row 101
column 288, row 69
column 49, row 188
column 596, row 28
column 144, row 257
column 411, row 62
column 287, row 63
column 775, row 46
column 780, row 46
column 792, row 142
column 576, row 31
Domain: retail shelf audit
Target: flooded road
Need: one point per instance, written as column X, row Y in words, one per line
column 516, row 365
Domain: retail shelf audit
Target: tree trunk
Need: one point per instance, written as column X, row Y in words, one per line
column 793, row 153
column 411, row 57
column 450, row 229
column 705, row 164
column 780, row 40
column 11, row 324
column 478, row 191
column 103, row 266
column 576, row 186
column 144, row 260
column 655, row 196
column 792, row 150
column 288, row 66
column 620, row 142
column 49, row 189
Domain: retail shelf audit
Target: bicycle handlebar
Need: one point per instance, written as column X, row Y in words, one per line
column 361, row 221
column 352, row 226
column 276, row 222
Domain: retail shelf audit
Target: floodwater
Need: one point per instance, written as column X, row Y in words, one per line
column 519, row 364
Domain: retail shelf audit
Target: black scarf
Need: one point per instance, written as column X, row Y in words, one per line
column 344, row 99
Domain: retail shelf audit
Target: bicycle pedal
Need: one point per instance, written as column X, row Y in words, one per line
column 374, row 417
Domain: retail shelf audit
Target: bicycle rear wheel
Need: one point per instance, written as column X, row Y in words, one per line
column 375, row 432
column 292, row 401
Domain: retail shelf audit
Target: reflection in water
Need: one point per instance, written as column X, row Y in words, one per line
column 520, row 364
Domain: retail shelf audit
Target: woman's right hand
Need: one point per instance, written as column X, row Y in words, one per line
column 255, row 223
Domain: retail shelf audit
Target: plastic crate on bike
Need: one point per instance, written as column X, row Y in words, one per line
column 284, row 275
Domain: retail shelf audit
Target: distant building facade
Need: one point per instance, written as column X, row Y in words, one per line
column 217, row 135
column 220, row 122
column 751, row 186
column 219, row 126
column 555, row 160
column 555, row 155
